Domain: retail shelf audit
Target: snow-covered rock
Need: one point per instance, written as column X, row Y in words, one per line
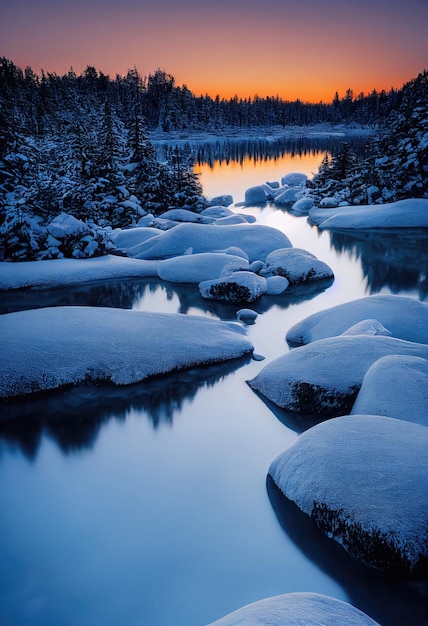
column 329, row 202
column 395, row 386
column 255, row 195
column 297, row 609
column 181, row 215
column 294, row 179
column 363, row 480
column 59, row 272
column 276, row 285
column 296, row 265
column 216, row 212
column 289, row 195
column 256, row 240
column 236, row 287
column 406, row 318
column 408, row 213
column 325, row 376
column 236, row 218
column 194, row 268
column 48, row 348
column 248, row 316
column 302, row 206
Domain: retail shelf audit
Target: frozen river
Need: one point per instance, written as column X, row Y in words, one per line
column 149, row 506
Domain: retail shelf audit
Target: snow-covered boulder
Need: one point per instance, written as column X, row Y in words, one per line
column 224, row 200
column 289, row 195
column 294, row 179
column 276, row 285
column 255, row 195
column 412, row 212
column 296, row 265
column 49, row 348
column 297, row 609
column 65, row 225
column 329, row 202
column 256, row 240
column 273, row 184
column 363, row 480
column 216, row 212
column 395, row 386
column 302, row 206
column 325, row 376
column 236, row 287
column 406, row 318
column 194, row 268
column 248, row 316
column 236, row 218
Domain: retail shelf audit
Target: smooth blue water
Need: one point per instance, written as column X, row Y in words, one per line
column 150, row 505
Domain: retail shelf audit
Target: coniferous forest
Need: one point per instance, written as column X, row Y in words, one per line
column 81, row 145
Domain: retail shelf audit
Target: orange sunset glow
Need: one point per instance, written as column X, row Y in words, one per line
column 307, row 50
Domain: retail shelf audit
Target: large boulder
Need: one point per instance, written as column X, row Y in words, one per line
column 363, row 480
column 256, row 240
column 296, row 265
column 406, row 318
column 324, row 377
column 194, row 268
column 297, row 609
column 255, row 195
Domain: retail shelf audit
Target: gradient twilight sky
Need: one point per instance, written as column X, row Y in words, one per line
column 303, row 49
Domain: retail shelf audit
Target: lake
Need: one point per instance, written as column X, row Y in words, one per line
column 150, row 505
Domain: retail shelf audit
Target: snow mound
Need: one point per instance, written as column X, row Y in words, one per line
column 406, row 318
column 395, row 386
column 410, row 213
column 289, row 195
column 297, row 609
column 59, row 272
column 296, row 265
column 195, row 268
column 368, row 327
column 248, row 316
column 224, row 200
column 236, row 287
column 181, row 215
column 256, row 240
column 276, row 285
column 129, row 237
column 363, row 480
column 65, row 225
column 53, row 347
column 216, row 212
column 325, row 376
column 294, row 179
column 302, row 206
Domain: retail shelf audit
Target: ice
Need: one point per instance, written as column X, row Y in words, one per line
column 49, row 348
column 395, row 386
column 408, row 213
column 297, row 609
column 406, row 318
column 363, row 480
column 324, row 377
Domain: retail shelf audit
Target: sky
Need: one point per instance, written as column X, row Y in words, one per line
column 306, row 49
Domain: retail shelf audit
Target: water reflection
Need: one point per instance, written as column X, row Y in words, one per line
column 389, row 601
column 396, row 259
column 73, row 418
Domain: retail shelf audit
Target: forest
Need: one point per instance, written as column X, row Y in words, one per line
column 81, row 145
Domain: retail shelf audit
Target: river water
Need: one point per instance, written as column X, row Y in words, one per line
column 150, row 505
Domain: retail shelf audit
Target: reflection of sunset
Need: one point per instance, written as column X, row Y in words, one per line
column 238, row 177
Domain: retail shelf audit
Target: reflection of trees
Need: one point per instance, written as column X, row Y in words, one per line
column 73, row 418
column 389, row 601
column 257, row 149
column 393, row 258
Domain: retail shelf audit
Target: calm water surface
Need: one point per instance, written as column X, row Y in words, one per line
column 149, row 506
